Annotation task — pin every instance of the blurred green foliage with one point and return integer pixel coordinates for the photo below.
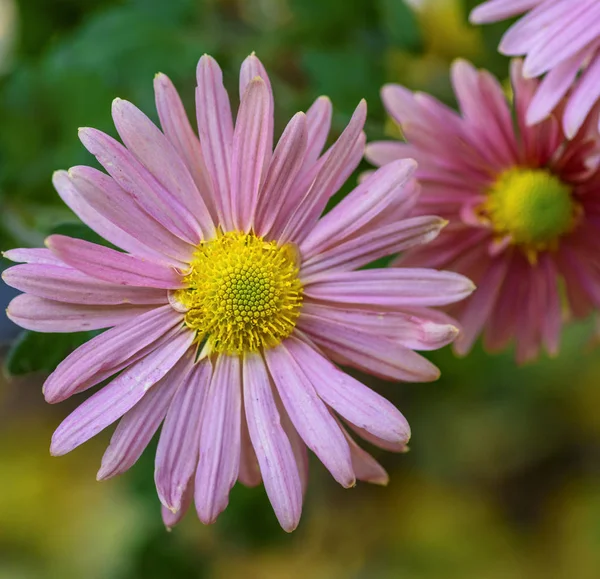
(502, 481)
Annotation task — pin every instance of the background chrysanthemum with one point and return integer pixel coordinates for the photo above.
(233, 296)
(522, 202)
(560, 40)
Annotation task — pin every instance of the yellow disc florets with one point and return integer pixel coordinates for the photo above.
(531, 206)
(244, 293)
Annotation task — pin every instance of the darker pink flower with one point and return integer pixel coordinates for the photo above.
(523, 205)
(234, 298)
(561, 42)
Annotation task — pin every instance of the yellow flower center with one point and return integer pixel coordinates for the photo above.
(244, 293)
(531, 206)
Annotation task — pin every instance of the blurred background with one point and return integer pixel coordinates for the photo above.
(503, 479)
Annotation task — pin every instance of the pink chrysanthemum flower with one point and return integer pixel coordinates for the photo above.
(233, 297)
(523, 204)
(561, 42)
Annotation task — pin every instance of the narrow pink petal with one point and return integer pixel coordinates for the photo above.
(494, 10)
(65, 284)
(285, 165)
(42, 315)
(122, 232)
(309, 415)
(249, 150)
(479, 307)
(250, 69)
(170, 519)
(391, 287)
(318, 122)
(148, 193)
(219, 440)
(32, 255)
(415, 330)
(145, 140)
(377, 354)
(112, 401)
(176, 127)
(585, 94)
(177, 452)
(138, 425)
(371, 245)
(379, 442)
(112, 204)
(380, 153)
(327, 179)
(113, 266)
(249, 474)
(215, 126)
(366, 468)
(108, 353)
(360, 207)
(348, 397)
(298, 447)
(273, 449)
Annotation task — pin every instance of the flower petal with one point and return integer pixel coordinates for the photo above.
(137, 427)
(112, 401)
(273, 449)
(215, 127)
(309, 415)
(42, 315)
(113, 266)
(113, 204)
(177, 452)
(109, 353)
(318, 122)
(249, 152)
(143, 138)
(65, 284)
(219, 440)
(348, 397)
(148, 193)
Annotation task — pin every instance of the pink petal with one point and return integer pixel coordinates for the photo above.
(584, 96)
(379, 355)
(160, 158)
(176, 127)
(42, 315)
(170, 519)
(148, 193)
(494, 10)
(69, 285)
(249, 150)
(318, 122)
(391, 287)
(113, 266)
(32, 255)
(121, 232)
(309, 415)
(112, 204)
(298, 447)
(109, 353)
(371, 245)
(380, 153)
(366, 468)
(177, 452)
(379, 442)
(112, 401)
(137, 427)
(249, 474)
(215, 126)
(219, 440)
(348, 397)
(327, 179)
(273, 449)
(285, 165)
(359, 208)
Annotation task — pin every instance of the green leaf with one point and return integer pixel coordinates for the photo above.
(35, 352)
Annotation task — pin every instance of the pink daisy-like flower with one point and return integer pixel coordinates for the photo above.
(523, 205)
(233, 298)
(561, 41)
